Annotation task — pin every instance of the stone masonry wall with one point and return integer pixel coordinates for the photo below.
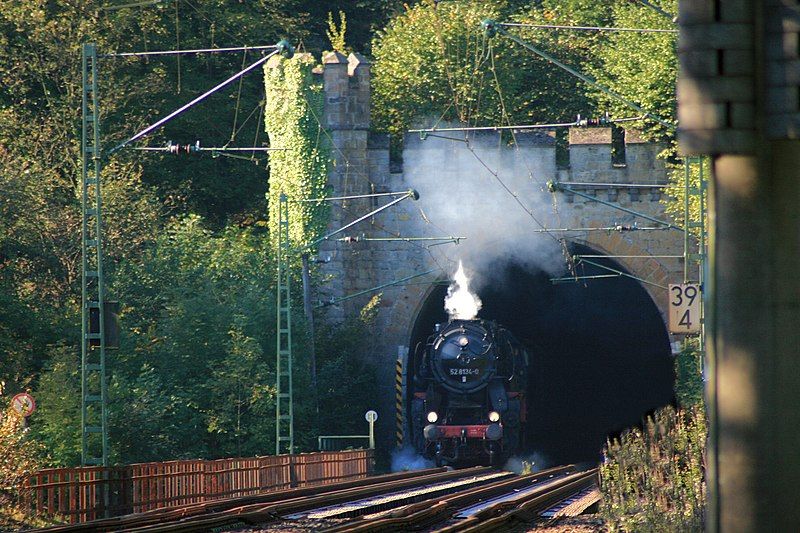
(361, 165)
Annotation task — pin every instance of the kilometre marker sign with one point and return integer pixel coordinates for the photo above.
(684, 308)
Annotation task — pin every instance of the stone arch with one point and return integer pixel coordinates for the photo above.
(599, 351)
(650, 269)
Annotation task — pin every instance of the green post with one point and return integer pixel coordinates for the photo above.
(687, 174)
(284, 408)
(94, 415)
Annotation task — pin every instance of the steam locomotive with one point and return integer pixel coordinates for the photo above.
(467, 402)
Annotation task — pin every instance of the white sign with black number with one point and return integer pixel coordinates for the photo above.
(684, 308)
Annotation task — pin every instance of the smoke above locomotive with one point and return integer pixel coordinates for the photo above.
(460, 303)
(492, 195)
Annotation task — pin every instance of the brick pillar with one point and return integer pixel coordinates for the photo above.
(738, 102)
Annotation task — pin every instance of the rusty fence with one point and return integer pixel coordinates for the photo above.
(86, 493)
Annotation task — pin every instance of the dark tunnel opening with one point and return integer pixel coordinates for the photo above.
(600, 354)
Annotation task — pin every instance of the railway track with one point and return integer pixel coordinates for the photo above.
(472, 499)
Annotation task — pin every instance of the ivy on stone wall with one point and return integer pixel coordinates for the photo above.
(294, 103)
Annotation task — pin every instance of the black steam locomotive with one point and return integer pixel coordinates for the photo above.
(467, 401)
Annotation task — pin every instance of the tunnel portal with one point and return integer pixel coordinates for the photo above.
(600, 354)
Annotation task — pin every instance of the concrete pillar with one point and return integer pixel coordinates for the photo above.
(737, 97)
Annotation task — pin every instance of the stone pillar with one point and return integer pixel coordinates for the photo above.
(641, 159)
(347, 120)
(737, 101)
(589, 152)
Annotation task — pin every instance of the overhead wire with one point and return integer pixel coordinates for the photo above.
(514, 195)
(260, 110)
(505, 116)
(464, 111)
(395, 234)
(585, 28)
(238, 99)
(259, 105)
(568, 256)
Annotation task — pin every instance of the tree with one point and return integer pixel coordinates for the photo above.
(336, 34)
(197, 314)
(642, 67)
(242, 395)
(19, 455)
(434, 64)
(57, 420)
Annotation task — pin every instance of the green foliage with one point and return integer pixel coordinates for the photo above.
(241, 390)
(336, 35)
(652, 480)
(347, 379)
(57, 420)
(641, 67)
(689, 387)
(300, 169)
(19, 455)
(194, 374)
(193, 315)
(433, 63)
(364, 17)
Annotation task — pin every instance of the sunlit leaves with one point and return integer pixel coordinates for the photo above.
(433, 63)
(299, 169)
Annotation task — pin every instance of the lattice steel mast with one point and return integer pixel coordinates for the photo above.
(284, 408)
(94, 392)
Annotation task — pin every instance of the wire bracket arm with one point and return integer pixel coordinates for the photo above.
(283, 48)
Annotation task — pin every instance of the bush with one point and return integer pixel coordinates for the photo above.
(19, 456)
(653, 479)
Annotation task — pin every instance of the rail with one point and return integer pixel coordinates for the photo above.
(76, 494)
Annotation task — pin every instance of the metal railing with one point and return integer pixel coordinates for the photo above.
(76, 494)
(330, 443)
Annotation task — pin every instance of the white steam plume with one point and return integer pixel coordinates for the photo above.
(407, 458)
(462, 195)
(459, 302)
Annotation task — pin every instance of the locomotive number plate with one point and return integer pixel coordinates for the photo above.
(465, 371)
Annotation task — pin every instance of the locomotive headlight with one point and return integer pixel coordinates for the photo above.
(494, 416)
(463, 341)
(433, 417)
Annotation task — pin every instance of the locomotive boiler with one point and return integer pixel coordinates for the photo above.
(467, 402)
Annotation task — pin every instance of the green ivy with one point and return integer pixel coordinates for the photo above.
(299, 169)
